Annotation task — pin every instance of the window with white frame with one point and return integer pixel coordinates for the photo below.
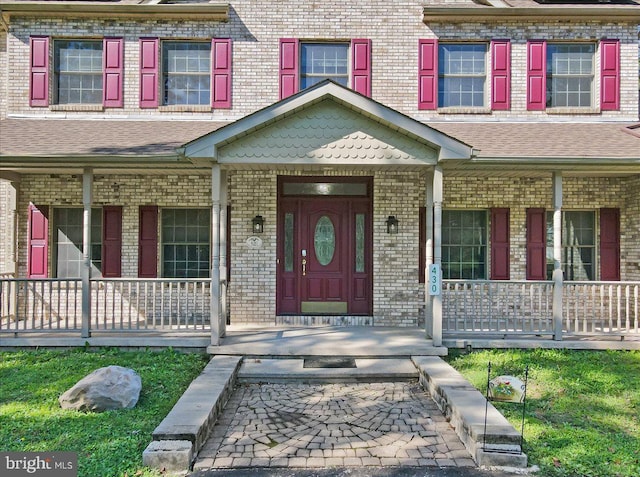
(320, 61)
(578, 245)
(78, 71)
(67, 238)
(464, 244)
(462, 74)
(186, 73)
(185, 243)
(570, 74)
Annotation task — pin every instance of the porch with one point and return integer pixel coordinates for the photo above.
(177, 312)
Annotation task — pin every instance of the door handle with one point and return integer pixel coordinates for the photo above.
(304, 267)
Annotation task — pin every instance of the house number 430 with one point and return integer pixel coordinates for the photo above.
(434, 279)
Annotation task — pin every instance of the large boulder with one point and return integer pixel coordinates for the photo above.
(112, 387)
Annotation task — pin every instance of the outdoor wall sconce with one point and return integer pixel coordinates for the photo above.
(257, 224)
(392, 225)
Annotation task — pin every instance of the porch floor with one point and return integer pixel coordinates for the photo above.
(361, 341)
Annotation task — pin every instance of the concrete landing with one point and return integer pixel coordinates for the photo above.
(256, 370)
(361, 341)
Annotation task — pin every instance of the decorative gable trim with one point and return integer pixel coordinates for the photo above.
(207, 147)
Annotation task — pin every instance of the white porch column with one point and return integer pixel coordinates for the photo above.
(557, 256)
(12, 226)
(223, 253)
(216, 180)
(436, 335)
(428, 302)
(87, 199)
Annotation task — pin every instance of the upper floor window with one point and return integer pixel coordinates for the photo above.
(304, 64)
(319, 61)
(84, 72)
(570, 75)
(78, 71)
(563, 75)
(186, 72)
(462, 75)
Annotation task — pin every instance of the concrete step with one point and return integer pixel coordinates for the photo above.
(259, 370)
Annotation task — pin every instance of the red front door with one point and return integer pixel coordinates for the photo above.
(324, 256)
(324, 241)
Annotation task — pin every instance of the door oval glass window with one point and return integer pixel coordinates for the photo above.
(324, 240)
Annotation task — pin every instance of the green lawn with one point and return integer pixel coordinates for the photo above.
(108, 444)
(582, 407)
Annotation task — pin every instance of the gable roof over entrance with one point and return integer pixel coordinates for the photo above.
(327, 124)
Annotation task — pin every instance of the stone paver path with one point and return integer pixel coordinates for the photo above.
(332, 425)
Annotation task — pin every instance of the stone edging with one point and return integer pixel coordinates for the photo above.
(464, 406)
(182, 433)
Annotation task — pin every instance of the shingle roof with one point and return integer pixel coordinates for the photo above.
(70, 137)
(87, 138)
(547, 140)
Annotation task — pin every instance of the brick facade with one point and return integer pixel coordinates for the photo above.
(256, 26)
(398, 296)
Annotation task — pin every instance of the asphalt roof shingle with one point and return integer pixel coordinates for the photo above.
(79, 138)
(70, 137)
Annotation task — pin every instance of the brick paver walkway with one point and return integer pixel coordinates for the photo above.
(331, 425)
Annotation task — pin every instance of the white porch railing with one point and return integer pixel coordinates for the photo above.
(468, 306)
(118, 305)
(47, 304)
(155, 304)
(526, 308)
(497, 307)
(597, 308)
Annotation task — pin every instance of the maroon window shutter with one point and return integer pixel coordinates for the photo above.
(500, 74)
(610, 244)
(610, 75)
(149, 72)
(39, 75)
(536, 244)
(289, 67)
(38, 242)
(428, 74)
(113, 71)
(500, 244)
(148, 242)
(536, 75)
(112, 241)
(221, 73)
(361, 66)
